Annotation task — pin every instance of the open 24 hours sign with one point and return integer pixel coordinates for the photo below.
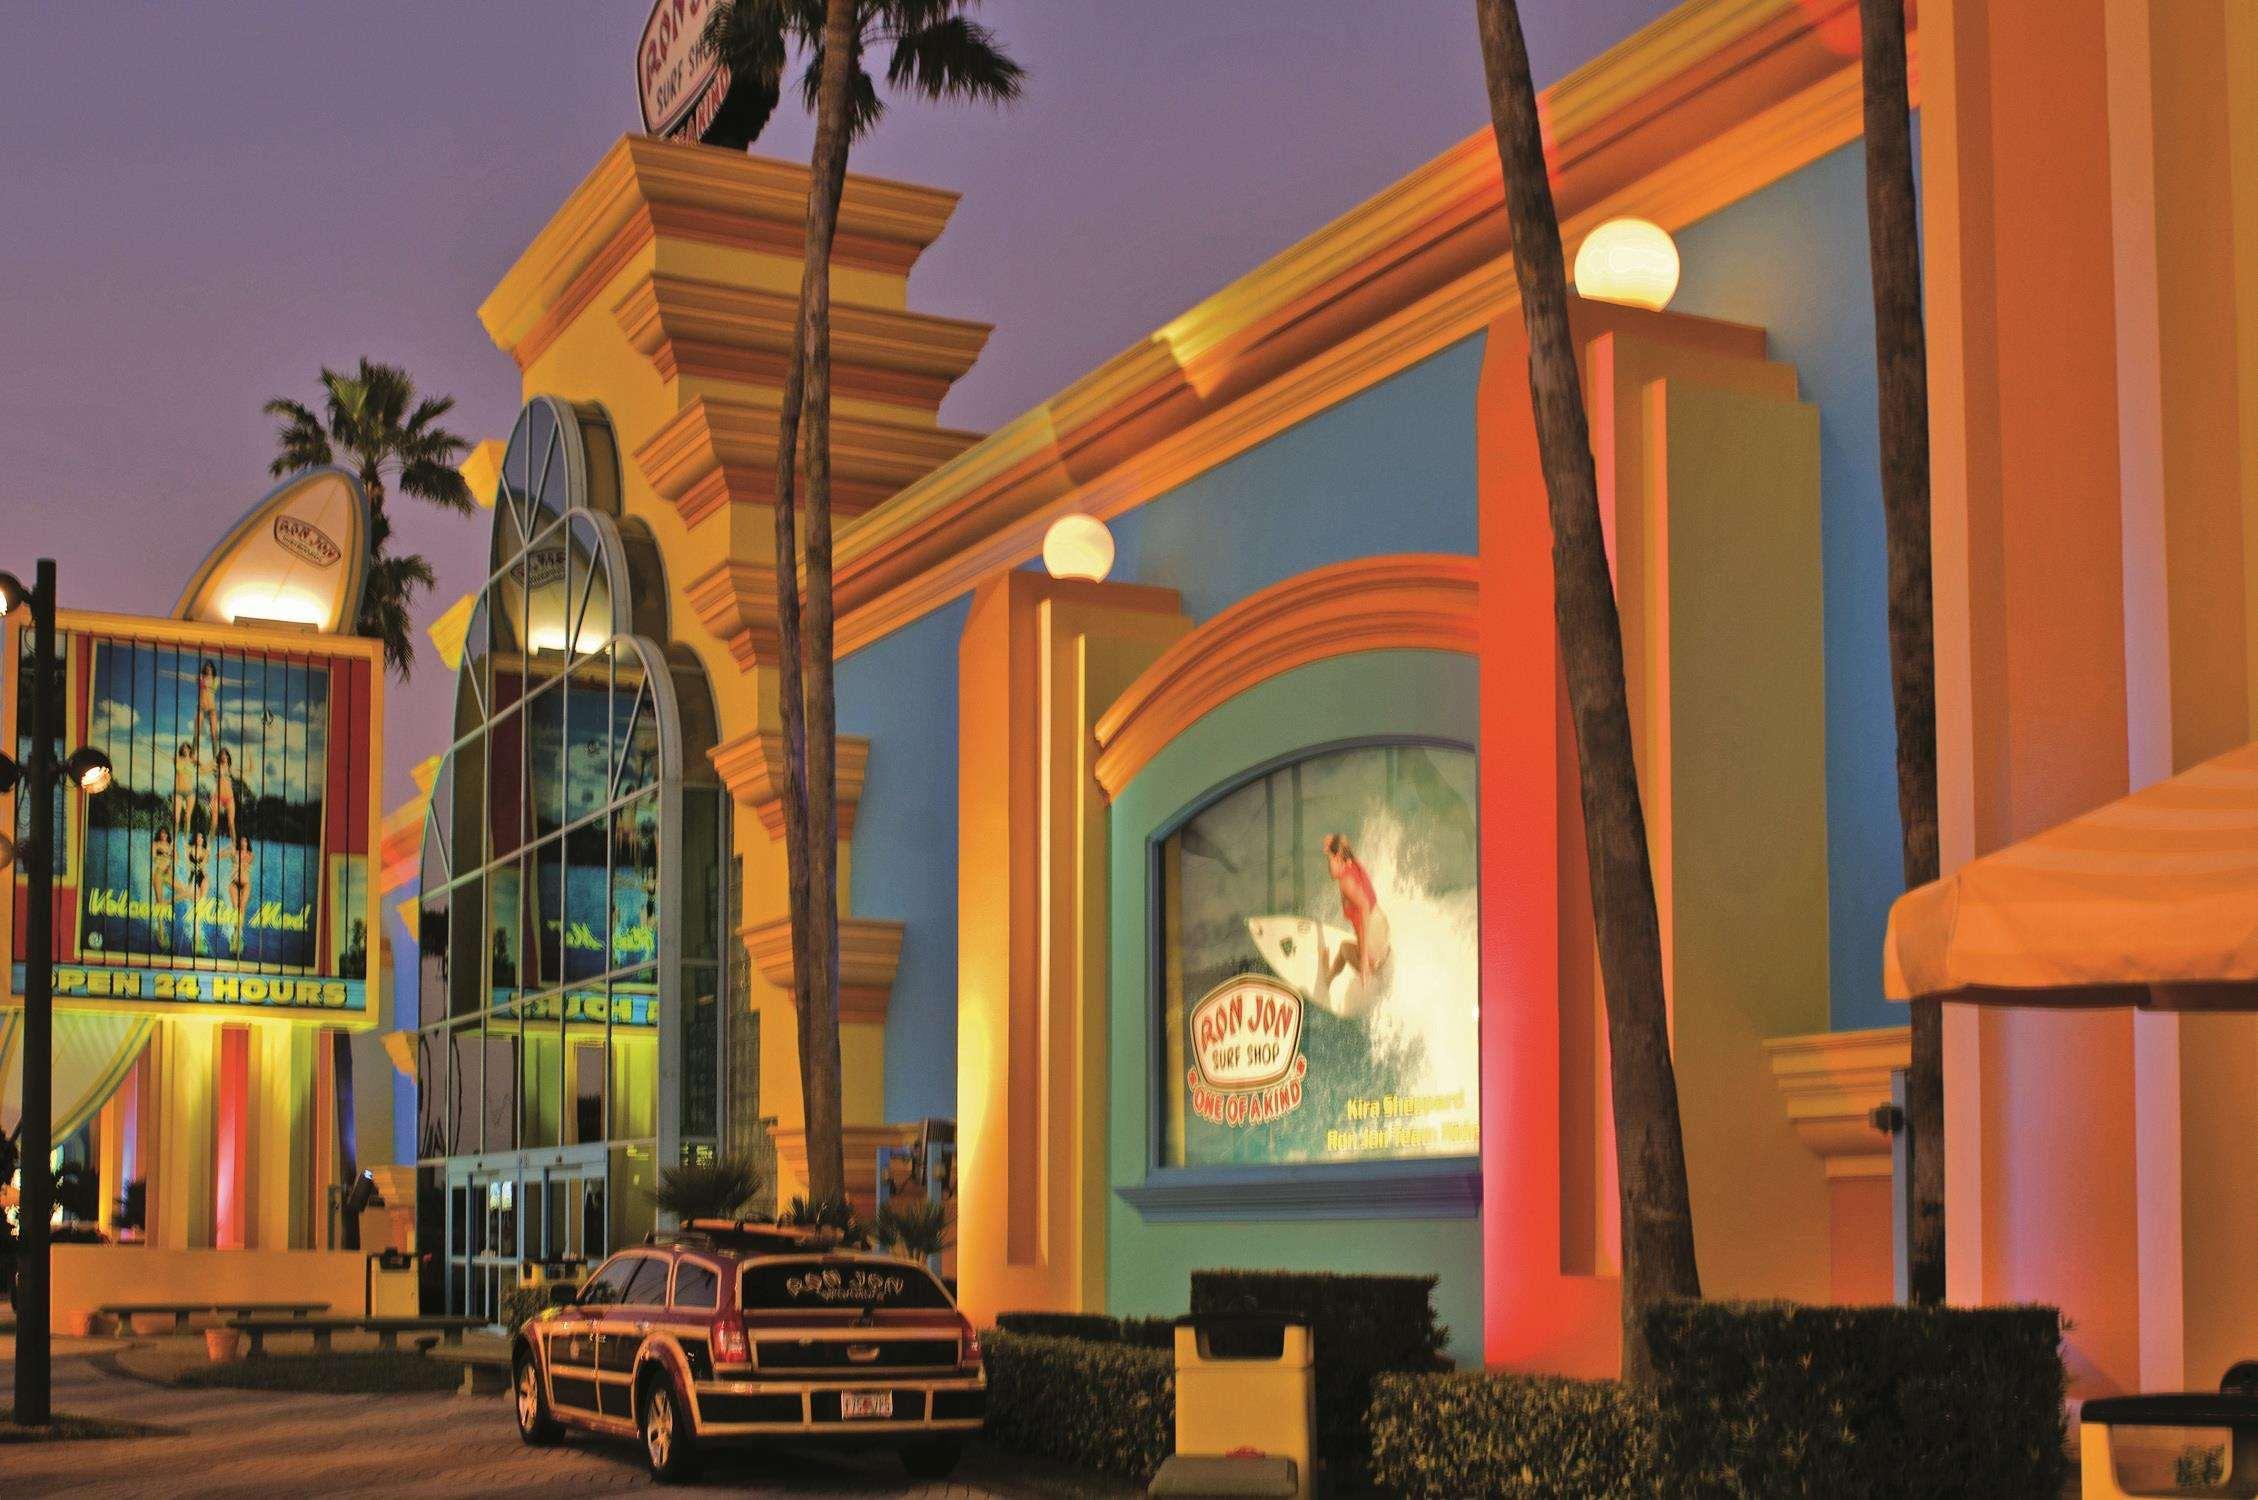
(1246, 1047)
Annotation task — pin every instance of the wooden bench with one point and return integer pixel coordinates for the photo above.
(180, 1312)
(387, 1330)
(486, 1369)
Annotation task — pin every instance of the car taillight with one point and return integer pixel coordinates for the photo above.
(729, 1343)
(968, 1349)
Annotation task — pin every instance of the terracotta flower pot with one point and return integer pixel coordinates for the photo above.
(222, 1344)
(149, 1325)
(73, 1323)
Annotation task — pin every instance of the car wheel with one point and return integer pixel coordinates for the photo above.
(670, 1447)
(534, 1424)
(936, 1459)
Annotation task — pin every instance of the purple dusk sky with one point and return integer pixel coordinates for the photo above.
(202, 203)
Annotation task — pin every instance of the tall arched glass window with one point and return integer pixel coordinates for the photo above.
(569, 931)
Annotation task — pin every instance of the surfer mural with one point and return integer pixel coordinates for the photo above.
(1320, 976)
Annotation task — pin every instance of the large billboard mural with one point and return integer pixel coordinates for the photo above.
(227, 865)
(1320, 996)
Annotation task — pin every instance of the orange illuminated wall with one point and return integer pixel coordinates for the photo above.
(1708, 472)
(231, 1173)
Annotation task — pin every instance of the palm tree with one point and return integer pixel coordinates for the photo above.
(1902, 364)
(1658, 1241)
(372, 423)
(720, 1188)
(934, 51)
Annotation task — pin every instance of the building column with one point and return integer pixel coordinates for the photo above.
(1041, 659)
(2091, 208)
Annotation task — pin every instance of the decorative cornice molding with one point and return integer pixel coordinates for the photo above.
(739, 333)
(752, 768)
(643, 188)
(1409, 601)
(1713, 102)
(870, 950)
(737, 602)
(1831, 1082)
(716, 453)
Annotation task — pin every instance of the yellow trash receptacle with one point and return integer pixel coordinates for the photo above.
(2105, 1473)
(1246, 1408)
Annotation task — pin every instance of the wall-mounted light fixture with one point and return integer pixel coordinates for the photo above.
(1078, 547)
(1629, 261)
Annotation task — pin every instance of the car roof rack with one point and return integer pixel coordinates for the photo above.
(746, 1235)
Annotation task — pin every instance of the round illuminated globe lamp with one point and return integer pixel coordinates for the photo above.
(1078, 546)
(1630, 261)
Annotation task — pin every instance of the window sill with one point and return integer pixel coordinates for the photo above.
(1446, 1188)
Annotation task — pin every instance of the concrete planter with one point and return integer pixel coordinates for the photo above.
(222, 1345)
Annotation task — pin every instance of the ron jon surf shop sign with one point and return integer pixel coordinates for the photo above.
(1247, 1063)
(686, 92)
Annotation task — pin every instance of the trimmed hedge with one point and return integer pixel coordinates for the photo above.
(1103, 1405)
(1361, 1325)
(1764, 1399)
(1096, 1328)
(1519, 1437)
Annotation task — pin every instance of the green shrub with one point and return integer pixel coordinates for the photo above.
(1105, 1406)
(1849, 1402)
(521, 1303)
(1514, 1436)
(1361, 1325)
(1096, 1328)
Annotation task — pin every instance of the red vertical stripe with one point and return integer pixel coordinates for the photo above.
(231, 1180)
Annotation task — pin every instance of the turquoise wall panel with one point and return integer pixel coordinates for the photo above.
(1148, 1262)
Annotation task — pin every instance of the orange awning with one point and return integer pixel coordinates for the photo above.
(2151, 900)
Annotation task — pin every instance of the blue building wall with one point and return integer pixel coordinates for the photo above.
(902, 693)
(1389, 470)
(1793, 260)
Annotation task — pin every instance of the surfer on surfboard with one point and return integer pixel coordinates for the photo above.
(1366, 955)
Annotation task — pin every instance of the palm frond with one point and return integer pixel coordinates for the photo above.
(954, 60)
(300, 442)
(864, 107)
(387, 604)
(429, 410)
(440, 483)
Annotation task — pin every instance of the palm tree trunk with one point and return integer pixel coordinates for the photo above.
(1902, 360)
(791, 697)
(1658, 1241)
(820, 1055)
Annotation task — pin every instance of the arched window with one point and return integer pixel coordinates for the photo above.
(570, 875)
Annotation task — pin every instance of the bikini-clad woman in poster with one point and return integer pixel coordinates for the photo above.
(239, 888)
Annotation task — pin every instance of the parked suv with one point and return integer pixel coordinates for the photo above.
(728, 1332)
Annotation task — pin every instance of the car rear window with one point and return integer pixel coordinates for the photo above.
(839, 1284)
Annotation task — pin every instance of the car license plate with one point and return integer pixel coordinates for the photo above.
(878, 1405)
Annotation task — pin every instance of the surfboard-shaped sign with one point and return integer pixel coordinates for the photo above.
(689, 94)
(300, 557)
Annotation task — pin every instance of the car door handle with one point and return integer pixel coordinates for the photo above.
(643, 1327)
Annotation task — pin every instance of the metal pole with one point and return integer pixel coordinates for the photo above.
(32, 1372)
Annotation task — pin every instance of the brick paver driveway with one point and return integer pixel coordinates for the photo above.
(260, 1443)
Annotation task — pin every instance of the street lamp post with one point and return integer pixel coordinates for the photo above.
(90, 770)
(38, 1195)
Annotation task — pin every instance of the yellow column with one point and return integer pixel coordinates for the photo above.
(1040, 661)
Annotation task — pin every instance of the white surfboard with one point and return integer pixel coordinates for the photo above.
(1295, 946)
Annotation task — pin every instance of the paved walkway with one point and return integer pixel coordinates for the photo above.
(261, 1443)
